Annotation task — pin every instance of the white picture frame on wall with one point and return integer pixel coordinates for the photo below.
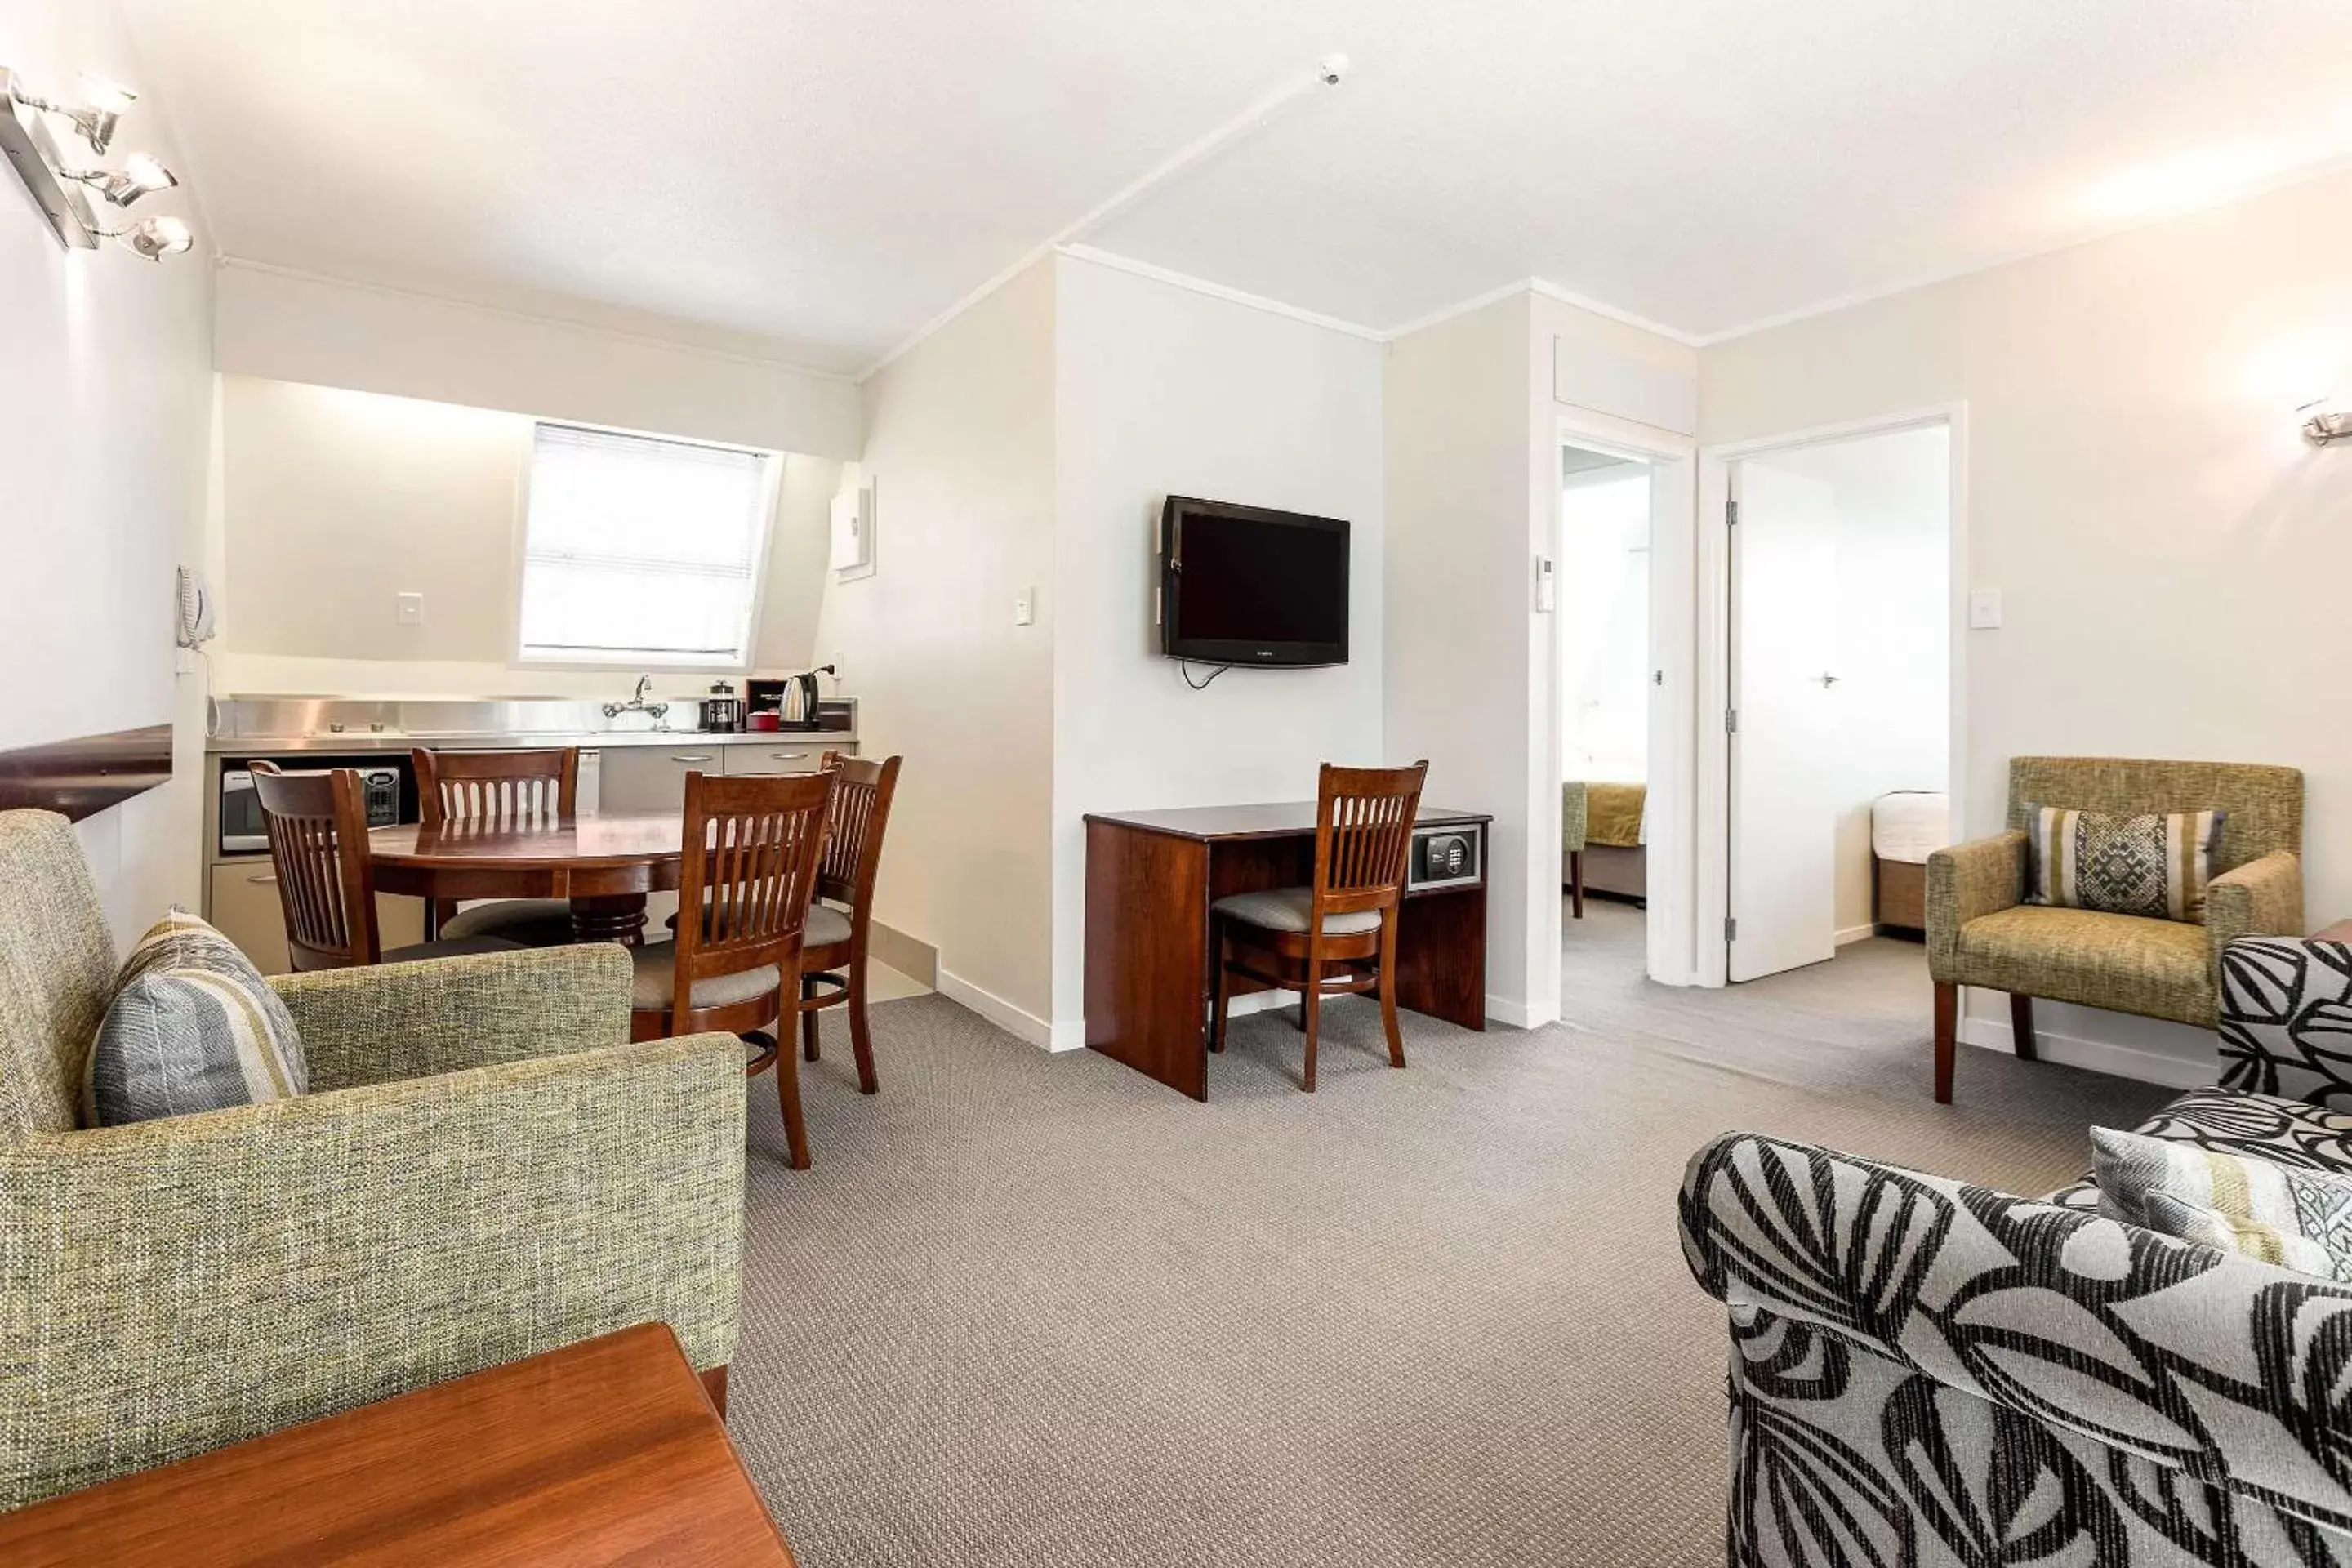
(853, 532)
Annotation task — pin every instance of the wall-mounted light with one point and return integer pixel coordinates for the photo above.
(2327, 421)
(62, 187)
(153, 238)
(141, 176)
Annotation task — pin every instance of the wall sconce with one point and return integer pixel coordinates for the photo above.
(2327, 421)
(62, 190)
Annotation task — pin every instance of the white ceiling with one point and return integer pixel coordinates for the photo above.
(825, 176)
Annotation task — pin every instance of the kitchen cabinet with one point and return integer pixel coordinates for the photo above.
(651, 778)
(784, 754)
(245, 908)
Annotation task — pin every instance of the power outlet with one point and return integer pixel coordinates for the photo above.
(1984, 609)
(408, 610)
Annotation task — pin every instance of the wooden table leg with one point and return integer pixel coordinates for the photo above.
(611, 917)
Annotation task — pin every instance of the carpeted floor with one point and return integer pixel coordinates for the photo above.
(1036, 1311)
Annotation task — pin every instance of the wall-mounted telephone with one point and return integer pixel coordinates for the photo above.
(195, 614)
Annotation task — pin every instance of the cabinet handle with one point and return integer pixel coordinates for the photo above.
(786, 756)
(262, 877)
(701, 757)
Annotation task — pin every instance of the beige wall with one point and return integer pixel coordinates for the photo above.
(2172, 555)
(959, 444)
(105, 413)
(334, 503)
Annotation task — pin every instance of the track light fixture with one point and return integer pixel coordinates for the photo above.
(153, 238)
(62, 187)
(141, 176)
(103, 105)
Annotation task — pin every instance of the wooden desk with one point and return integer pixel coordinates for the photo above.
(606, 1452)
(1151, 879)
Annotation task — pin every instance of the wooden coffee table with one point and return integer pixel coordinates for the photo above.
(606, 1452)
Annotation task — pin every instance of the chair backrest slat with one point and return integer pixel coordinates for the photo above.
(502, 787)
(752, 845)
(1363, 833)
(316, 827)
(861, 811)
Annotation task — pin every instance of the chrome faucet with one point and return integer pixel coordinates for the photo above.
(636, 703)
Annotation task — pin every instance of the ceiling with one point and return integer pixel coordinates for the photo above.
(816, 180)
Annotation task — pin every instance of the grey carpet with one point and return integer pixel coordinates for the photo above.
(1036, 1310)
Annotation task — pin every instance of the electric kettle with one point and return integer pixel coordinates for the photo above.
(798, 707)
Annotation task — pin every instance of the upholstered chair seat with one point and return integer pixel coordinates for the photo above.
(653, 984)
(530, 922)
(1286, 908)
(2164, 967)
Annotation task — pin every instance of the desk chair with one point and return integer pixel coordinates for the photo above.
(517, 787)
(317, 826)
(835, 953)
(751, 849)
(1338, 937)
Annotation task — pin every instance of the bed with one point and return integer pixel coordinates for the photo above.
(1906, 827)
(1604, 828)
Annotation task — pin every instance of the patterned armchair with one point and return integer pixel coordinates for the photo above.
(1924, 1371)
(1981, 931)
(486, 1168)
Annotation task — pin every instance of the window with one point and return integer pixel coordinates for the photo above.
(641, 551)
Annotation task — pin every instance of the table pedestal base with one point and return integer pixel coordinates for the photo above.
(613, 917)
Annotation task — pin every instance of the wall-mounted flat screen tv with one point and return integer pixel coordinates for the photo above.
(1240, 584)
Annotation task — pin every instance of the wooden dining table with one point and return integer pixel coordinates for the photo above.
(603, 864)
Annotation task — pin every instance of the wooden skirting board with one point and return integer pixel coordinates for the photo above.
(83, 777)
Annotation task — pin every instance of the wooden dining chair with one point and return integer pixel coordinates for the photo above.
(317, 832)
(753, 845)
(495, 789)
(833, 959)
(1338, 936)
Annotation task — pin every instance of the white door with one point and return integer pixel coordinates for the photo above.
(1785, 743)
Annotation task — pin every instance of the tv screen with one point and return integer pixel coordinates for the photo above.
(1240, 584)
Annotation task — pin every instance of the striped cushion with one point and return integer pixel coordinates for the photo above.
(2298, 1219)
(192, 1026)
(2154, 866)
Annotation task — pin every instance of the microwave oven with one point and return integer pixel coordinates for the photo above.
(383, 783)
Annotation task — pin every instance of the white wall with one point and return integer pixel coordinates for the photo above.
(1161, 390)
(105, 412)
(1474, 454)
(336, 502)
(959, 444)
(2172, 555)
(1893, 599)
(286, 327)
(1605, 626)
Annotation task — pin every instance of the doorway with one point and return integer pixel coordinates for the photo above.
(1840, 684)
(1607, 510)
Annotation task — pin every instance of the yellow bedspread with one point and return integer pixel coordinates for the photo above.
(1613, 814)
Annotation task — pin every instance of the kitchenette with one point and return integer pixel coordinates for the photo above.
(635, 756)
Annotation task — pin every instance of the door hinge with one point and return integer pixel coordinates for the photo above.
(1731, 514)
(1731, 721)
(1730, 929)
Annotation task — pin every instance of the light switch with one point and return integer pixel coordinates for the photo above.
(1984, 609)
(410, 611)
(1024, 607)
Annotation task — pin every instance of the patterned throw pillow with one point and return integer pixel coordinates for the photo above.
(2297, 1219)
(2152, 866)
(192, 1026)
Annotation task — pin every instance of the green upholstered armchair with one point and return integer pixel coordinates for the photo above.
(1980, 932)
(485, 1168)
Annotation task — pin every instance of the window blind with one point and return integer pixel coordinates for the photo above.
(638, 550)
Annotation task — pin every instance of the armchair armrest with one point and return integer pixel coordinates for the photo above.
(2260, 898)
(2224, 1368)
(1575, 808)
(1966, 882)
(176, 1285)
(397, 1021)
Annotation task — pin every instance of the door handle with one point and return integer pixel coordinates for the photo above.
(1828, 681)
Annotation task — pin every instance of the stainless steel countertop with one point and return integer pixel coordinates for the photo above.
(480, 740)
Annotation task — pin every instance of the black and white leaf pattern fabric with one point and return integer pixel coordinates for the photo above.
(2286, 1018)
(1925, 1373)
